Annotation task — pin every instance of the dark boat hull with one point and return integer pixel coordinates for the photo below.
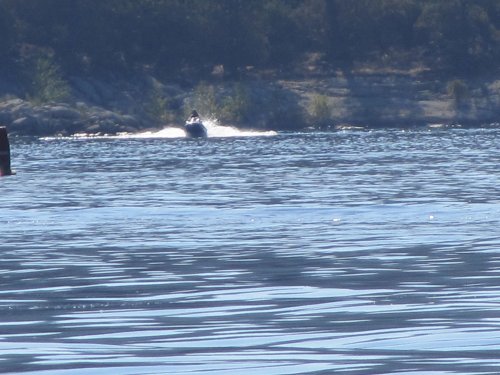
(196, 130)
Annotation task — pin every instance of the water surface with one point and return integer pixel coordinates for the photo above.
(348, 252)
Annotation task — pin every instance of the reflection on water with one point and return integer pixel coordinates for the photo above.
(356, 252)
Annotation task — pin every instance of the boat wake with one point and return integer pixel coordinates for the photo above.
(214, 130)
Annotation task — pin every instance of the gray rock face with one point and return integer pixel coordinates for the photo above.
(23, 118)
(63, 112)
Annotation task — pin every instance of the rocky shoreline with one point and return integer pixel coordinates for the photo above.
(364, 99)
(23, 118)
(405, 99)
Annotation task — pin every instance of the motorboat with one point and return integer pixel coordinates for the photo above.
(194, 127)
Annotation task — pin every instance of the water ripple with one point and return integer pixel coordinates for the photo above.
(350, 252)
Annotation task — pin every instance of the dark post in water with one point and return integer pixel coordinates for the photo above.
(4, 152)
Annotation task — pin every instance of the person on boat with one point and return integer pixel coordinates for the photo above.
(194, 117)
(194, 127)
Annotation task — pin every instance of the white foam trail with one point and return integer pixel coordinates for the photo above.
(169, 132)
(163, 133)
(219, 131)
(214, 130)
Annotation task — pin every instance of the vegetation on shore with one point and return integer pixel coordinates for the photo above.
(219, 52)
(175, 35)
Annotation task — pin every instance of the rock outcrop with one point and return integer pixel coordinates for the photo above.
(398, 100)
(24, 118)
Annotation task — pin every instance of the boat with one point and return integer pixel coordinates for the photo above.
(194, 126)
(195, 129)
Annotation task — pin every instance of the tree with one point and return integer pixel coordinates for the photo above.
(459, 32)
(194, 35)
(6, 33)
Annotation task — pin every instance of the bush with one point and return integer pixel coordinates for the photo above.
(47, 82)
(238, 105)
(157, 105)
(203, 100)
(320, 110)
(459, 92)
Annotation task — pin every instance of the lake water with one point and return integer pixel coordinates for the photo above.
(252, 253)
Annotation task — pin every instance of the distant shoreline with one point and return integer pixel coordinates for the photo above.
(317, 101)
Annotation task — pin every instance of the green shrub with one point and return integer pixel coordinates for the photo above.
(320, 110)
(238, 105)
(458, 91)
(203, 100)
(47, 82)
(157, 105)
